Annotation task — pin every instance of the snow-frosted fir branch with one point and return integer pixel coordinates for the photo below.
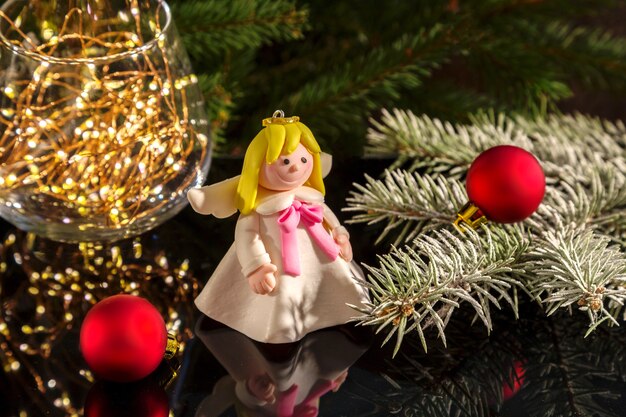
(592, 133)
(578, 234)
(584, 160)
(409, 203)
(418, 287)
(571, 266)
(428, 144)
(598, 202)
(406, 201)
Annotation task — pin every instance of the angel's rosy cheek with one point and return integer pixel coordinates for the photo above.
(276, 168)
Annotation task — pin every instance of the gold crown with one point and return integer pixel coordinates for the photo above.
(278, 118)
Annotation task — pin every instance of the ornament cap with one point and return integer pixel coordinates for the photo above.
(278, 118)
(172, 347)
(471, 215)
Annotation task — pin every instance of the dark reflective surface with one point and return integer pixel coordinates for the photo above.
(532, 366)
(265, 380)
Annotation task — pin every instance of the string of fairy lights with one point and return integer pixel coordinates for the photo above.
(97, 138)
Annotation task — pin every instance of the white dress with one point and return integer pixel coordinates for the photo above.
(298, 305)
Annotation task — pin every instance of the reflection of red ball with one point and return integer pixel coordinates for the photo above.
(123, 338)
(143, 399)
(515, 382)
(506, 183)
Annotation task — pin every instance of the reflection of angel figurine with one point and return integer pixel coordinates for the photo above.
(287, 387)
(288, 272)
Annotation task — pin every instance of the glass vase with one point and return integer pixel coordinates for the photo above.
(102, 121)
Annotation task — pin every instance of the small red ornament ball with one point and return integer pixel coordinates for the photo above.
(123, 338)
(506, 183)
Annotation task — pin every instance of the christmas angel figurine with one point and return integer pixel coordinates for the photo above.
(289, 271)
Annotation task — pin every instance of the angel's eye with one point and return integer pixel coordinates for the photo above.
(286, 161)
(303, 159)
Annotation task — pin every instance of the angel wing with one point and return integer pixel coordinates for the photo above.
(326, 160)
(219, 199)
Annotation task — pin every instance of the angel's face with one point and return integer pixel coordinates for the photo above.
(288, 171)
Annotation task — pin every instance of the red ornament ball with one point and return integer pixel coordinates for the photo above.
(123, 338)
(506, 183)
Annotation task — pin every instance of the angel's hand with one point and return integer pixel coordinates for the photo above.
(262, 280)
(262, 387)
(345, 249)
(338, 382)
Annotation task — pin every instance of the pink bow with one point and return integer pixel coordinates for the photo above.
(311, 217)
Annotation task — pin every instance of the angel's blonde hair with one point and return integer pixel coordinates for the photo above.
(272, 141)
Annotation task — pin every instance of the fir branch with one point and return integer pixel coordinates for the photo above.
(563, 374)
(465, 378)
(593, 56)
(437, 146)
(212, 27)
(569, 266)
(516, 78)
(513, 56)
(589, 136)
(571, 261)
(447, 99)
(567, 375)
(595, 198)
(417, 288)
(434, 146)
(417, 204)
(219, 103)
(328, 101)
(410, 204)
